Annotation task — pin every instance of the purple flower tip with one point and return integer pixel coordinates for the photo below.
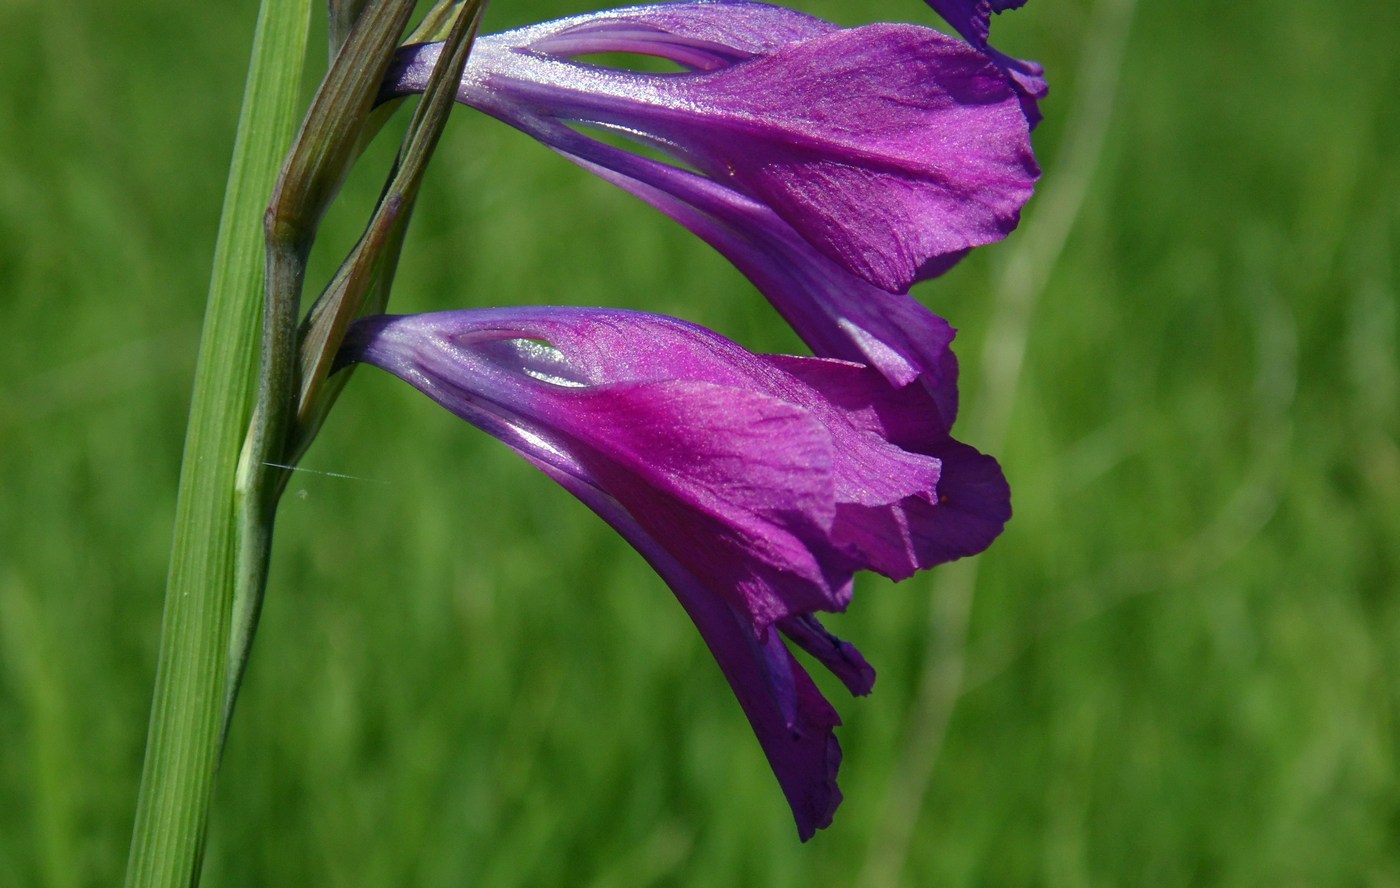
(973, 20)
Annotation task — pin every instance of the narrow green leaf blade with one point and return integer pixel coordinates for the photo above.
(183, 744)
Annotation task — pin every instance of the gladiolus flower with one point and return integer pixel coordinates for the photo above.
(890, 149)
(755, 485)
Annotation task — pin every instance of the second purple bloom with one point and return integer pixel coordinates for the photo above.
(756, 485)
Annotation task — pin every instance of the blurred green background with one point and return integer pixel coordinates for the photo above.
(1176, 667)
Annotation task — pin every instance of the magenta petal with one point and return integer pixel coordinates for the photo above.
(838, 165)
(832, 158)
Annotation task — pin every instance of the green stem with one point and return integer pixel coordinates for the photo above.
(183, 745)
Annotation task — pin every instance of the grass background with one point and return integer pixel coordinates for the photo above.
(1176, 667)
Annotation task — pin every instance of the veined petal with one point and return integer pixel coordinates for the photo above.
(888, 147)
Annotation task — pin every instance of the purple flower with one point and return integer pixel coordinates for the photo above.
(755, 485)
(973, 20)
(888, 149)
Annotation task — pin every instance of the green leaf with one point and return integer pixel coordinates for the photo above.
(184, 740)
